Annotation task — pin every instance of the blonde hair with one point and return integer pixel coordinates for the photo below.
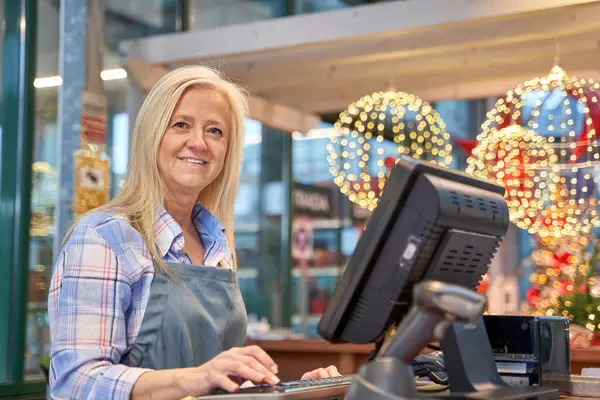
(143, 190)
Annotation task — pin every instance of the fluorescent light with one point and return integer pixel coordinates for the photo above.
(106, 75)
(48, 81)
(112, 74)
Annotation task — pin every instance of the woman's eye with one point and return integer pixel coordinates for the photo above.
(216, 131)
(180, 125)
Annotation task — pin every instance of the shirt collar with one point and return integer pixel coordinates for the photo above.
(167, 230)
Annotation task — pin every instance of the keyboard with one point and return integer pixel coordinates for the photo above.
(325, 388)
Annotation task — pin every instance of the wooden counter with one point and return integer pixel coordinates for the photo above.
(584, 358)
(296, 357)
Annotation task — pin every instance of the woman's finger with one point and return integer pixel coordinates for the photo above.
(307, 375)
(333, 371)
(244, 371)
(220, 380)
(257, 366)
(261, 356)
(315, 374)
(322, 373)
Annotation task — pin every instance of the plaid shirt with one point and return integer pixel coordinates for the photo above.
(98, 296)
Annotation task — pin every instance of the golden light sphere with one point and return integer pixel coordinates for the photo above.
(565, 111)
(565, 216)
(376, 129)
(521, 161)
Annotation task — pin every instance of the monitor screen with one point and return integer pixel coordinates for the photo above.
(430, 223)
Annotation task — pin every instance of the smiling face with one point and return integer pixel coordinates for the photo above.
(192, 150)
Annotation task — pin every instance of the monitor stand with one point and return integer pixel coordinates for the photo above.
(470, 364)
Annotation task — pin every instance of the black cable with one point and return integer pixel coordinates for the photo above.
(378, 345)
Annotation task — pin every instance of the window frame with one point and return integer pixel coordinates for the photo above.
(18, 58)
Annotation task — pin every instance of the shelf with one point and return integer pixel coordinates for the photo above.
(42, 237)
(310, 320)
(247, 228)
(329, 270)
(247, 273)
(331, 223)
(318, 224)
(37, 306)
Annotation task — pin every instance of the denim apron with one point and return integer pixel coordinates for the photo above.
(190, 318)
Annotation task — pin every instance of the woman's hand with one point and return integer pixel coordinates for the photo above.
(330, 371)
(232, 366)
(222, 372)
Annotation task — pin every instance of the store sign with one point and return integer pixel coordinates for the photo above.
(311, 201)
(302, 238)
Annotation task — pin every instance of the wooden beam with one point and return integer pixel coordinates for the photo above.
(350, 91)
(477, 89)
(553, 24)
(281, 117)
(482, 83)
(144, 75)
(488, 88)
(459, 91)
(277, 116)
(370, 20)
(288, 79)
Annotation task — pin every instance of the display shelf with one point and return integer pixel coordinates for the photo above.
(247, 273)
(327, 270)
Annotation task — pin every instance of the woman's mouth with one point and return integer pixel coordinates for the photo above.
(193, 161)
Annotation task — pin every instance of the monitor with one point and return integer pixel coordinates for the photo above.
(431, 223)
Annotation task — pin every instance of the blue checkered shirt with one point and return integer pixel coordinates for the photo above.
(98, 295)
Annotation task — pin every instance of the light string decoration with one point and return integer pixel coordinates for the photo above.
(564, 280)
(564, 111)
(373, 131)
(520, 160)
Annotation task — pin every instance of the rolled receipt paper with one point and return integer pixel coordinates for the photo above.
(595, 372)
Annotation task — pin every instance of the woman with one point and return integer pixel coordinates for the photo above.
(144, 300)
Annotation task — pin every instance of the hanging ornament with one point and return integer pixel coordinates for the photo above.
(565, 111)
(520, 160)
(373, 131)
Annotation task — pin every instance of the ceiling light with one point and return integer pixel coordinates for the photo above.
(48, 81)
(54, 81)
(112, 74)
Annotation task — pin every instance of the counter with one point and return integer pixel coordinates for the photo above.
(296, 356)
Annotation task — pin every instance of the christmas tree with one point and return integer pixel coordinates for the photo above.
(564, 281)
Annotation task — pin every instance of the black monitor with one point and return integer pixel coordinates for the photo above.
(431, 223)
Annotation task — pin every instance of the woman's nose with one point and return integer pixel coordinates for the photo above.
(197, 141)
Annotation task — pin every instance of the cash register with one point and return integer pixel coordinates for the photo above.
(416, 266)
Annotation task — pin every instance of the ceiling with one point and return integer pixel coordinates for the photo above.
(323, 62)
(122, 20)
